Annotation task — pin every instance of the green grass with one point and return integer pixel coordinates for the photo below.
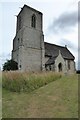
(27, 82)
(0, 94)
(58, 99)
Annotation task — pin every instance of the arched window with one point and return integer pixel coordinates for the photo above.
(33, 21)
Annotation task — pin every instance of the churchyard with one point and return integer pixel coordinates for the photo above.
(39, 95)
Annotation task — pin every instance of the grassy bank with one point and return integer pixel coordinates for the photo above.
(58, 99)
(0, 94)
(18, 82)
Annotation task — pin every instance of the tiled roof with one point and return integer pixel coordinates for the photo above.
(50, 61)
(53, 50)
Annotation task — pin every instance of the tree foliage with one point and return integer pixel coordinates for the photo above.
(10, 65)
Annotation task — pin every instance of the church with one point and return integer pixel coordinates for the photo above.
(31, 52)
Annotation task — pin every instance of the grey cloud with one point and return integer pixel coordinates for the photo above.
(69, 44)
(79, 50)
(64, 22)
(78, 65)
(79, 12)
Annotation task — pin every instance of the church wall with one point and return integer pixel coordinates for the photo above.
(32, 60)
(26, 15)
(18, 56)
(32, 41)
(28, 44)
(72, 67)
(43, 56)
(15, 55)
(21, 58)
(18, 40)
(32, 38)
(58, 60)
(27, 18)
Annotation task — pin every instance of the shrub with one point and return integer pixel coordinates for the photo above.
(17, 81)
(78, 71)
(10, 65)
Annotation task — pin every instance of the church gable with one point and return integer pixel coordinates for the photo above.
(60, 63)
(60, 58)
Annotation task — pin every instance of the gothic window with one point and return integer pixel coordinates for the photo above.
(33, 21)
(69, 64)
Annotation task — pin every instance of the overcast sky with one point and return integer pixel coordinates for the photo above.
(60, 23)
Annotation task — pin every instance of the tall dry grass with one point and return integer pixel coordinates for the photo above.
(18, 81)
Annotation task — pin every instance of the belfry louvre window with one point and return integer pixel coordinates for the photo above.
(33, 21)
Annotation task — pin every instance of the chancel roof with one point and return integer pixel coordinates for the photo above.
(52, 50)
(50, 61)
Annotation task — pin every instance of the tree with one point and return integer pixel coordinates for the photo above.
(10, 65)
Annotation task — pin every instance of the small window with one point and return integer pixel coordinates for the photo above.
(19, 22)
(69, 64)
(18, 40)
(20, 66)
(33, 21)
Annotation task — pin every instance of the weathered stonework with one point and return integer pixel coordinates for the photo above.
(28, 44)
(31, 52)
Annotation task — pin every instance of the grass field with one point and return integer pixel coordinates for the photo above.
(0, 94)
(57, 99)
(27, 82)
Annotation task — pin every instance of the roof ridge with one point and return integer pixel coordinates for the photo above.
(29, 8)
(55, 45)
(32, 8)
(52, 49)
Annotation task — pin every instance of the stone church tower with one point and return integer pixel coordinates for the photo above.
(28, 44)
